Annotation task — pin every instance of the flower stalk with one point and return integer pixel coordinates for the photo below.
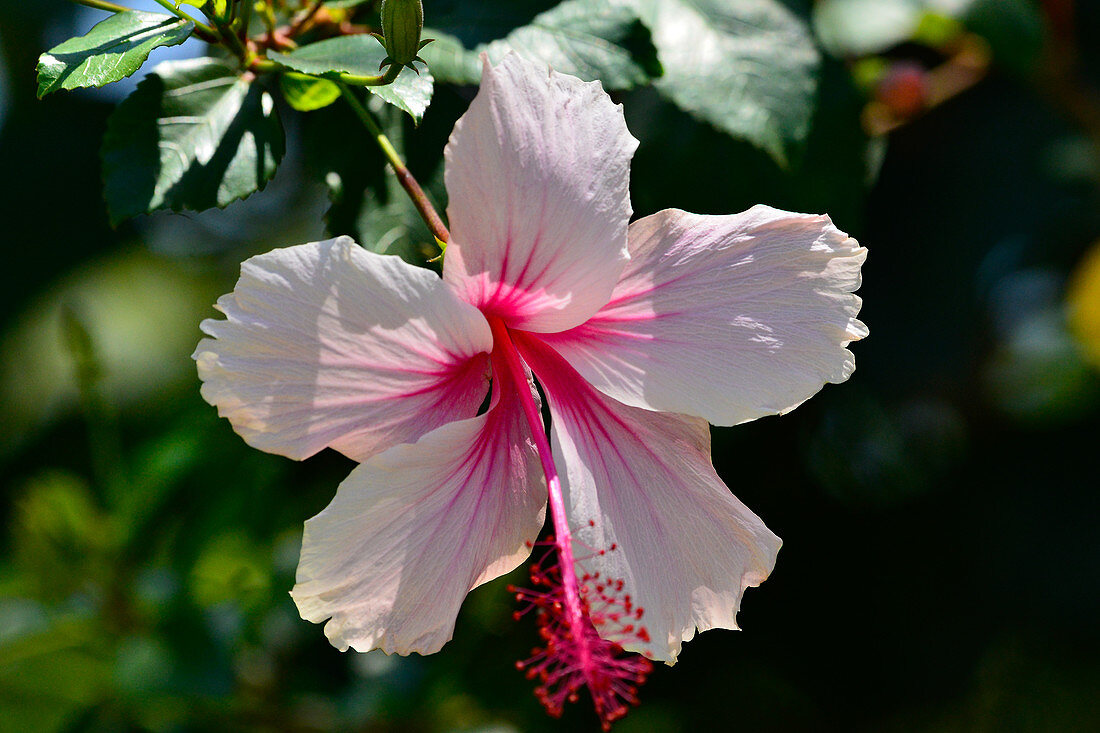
(404, 177)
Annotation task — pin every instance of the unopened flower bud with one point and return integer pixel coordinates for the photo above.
(402, 23)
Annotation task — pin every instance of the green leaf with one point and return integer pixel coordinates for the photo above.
(361, 55)
(482, 22)
(112, 50)
(193, 135)
(749, 68)
(308, 93)
(590, 39)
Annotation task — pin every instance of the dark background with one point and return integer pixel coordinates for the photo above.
(939, 511)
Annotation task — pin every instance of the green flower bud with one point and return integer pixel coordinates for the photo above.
(402, 23)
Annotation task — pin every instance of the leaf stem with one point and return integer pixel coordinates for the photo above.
(200, 27)
(261, 65)
(404, 177)
(372, 81)
(102, 5)
(233, 41)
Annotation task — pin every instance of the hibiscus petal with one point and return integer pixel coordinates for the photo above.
(326, 344)
(725, 317)
(642, 483)
(415, 528)
(537, 173)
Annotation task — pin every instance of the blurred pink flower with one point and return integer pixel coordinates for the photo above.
(638, 337)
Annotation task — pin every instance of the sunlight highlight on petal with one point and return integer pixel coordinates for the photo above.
(415, 528)
(728, 318)
(537, 173)
(642, 482)
(328, 345)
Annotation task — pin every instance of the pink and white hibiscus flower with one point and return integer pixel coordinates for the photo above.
(639, 336)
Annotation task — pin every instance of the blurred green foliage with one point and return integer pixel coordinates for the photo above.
(941, 567)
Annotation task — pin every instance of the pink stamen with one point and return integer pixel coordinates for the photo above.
(570, 608)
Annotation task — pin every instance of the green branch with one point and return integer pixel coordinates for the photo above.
(201, 28)
(404, 177)
(233, 41)
(244, 18)
(101, 5)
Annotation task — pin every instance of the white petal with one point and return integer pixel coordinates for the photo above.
(725, 317)
(642, 482)
(537, 173)
(415, 528)
(326, 344)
